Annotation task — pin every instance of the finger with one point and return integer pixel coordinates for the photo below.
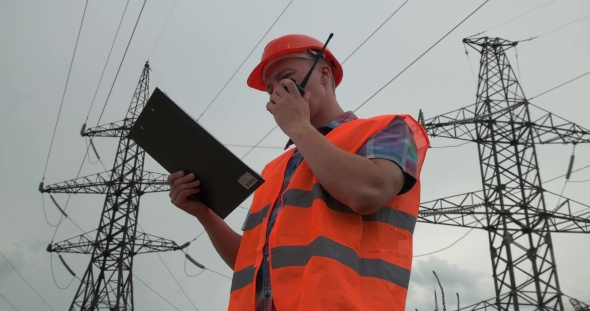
(291, 87)
(184, 194)
(306, 96)
(175, 176)
(181, 200)
(275, 99)
(280, 91)
(185, 179)
(270, 106)
(177, 187)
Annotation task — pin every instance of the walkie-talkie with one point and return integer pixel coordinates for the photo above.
(301, 87)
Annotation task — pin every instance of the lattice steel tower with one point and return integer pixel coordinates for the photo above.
(107, 283)
(512, 206)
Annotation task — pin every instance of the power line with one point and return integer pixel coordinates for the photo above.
(53, 275)
(21, 290)
(257, 44)
(65, 88)
(135, 276)
(410, 65)
(155, 76)
(162, 30)
(172, 275)
(8, 301)
(451, 146)
(470, 66)
(572, 80)
(558, 28)
(120, 65)
(258, 143)
(25, 230)
(98, 122)
(203, 269)
(45, 212)
(249, 146)
(362, 43)
(579, 181)
(369, 37)
(187, 297)
(506, 22)
(107, 61)
(555, 178)
(442, 249)
(31, 287)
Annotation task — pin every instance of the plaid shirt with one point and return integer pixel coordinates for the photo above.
(395, 143)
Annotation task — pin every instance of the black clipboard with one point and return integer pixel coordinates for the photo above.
(178, 143)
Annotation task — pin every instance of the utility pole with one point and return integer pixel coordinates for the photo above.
(512, 206)
(107, 283)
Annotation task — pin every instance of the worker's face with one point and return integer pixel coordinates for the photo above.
(297, 68)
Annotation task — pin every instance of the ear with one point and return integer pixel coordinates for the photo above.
(326, 75)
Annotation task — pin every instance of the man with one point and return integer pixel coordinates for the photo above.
(331, 228)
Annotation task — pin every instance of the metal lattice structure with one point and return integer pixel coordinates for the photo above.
(107, 283)
(512, 206)
(578, 305)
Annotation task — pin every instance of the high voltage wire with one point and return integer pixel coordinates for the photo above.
(172, 275)
(65, 89)
(162, 30)
(53, 275)
(185, 294)
(558, 28)
(98, 122)
(19, 225)
(572, 80)
(538, 95)
(452, 146)
(410, 65)
(27, 282)
(120, 65)
(21, 291)
(257, 44)
(249, 146)
(371, 35)
(506, 22)
(107, 61)
(135, 276)
(8, 302)
(445, 248)
(362, 43)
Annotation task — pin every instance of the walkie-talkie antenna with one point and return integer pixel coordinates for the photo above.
(306, 79)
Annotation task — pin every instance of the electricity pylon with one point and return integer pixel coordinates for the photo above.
(512, 205)
(578, 305)
(107, 283)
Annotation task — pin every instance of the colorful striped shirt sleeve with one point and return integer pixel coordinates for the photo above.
(395, 143)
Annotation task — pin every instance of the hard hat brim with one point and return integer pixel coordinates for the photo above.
(255, 79)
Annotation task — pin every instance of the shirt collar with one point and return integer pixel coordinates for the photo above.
(339, 120)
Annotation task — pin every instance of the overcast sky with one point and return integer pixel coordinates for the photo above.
(201, 46)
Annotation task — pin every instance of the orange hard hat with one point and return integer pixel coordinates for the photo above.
(292, 44)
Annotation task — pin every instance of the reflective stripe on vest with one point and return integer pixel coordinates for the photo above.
(322, 254)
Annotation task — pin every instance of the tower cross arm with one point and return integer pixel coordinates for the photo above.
(114, 129)
(552, 129)
(462, 210)
(80, 244)
(95, 184)
(457, 124)
(99, 183)
(568, 216)
(147, 243)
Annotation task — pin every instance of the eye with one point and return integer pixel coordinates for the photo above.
(287, 75)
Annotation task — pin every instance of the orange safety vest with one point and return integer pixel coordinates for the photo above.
(322, 255)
